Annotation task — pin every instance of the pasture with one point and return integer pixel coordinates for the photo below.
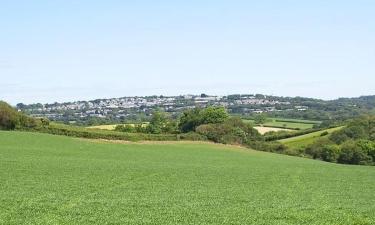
(304, 140)
(46, 179)
(295, 124)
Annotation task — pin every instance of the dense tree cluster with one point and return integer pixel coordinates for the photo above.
(191, 119)
(11, 119)
(354, 144)
(231, 131)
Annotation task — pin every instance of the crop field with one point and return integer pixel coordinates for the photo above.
(288, 123)
(46, 179)
(304, 140)
(112, 126)
(263, 130)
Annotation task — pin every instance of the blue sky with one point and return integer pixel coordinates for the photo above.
(67, 50)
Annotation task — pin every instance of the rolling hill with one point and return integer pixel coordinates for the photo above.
(46, 179)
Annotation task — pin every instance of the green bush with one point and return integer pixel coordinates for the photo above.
(351, 153)
(191, 119)
(323, 149)
(192, 136)
(232, 131)
(11, 119)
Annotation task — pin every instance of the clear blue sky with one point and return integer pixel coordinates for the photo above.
(69, 50)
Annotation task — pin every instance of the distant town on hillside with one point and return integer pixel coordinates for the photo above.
(140, 108)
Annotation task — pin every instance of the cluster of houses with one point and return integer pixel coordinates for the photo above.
(123, 107)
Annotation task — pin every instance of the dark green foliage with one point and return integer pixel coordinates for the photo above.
(324, 150)
(351, 153)
(272, 146)
(191, 119)
(161, 123)
(158, 121)
(330, 153)
(192, 136)
(260, 118)
(368, 147)
(361, 128)
(232, 131)
(338, 137)
(11, 119)
(351, 145)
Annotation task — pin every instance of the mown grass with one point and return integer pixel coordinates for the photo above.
(304, 140)
(46, 179)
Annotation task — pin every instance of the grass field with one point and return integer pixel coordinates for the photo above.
(288, 123)
(304, 140)
(47, 179)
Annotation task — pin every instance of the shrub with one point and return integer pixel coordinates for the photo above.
(351, 153)
(330, 153)
(322, 149)
(192, 136)
(193, 118)
(232, 131)
(11, 119)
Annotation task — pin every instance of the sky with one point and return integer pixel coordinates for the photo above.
(65, 50)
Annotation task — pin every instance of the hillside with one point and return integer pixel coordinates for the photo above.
(304, 140)
(49, 179)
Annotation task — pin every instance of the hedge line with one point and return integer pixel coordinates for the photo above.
(113, 135)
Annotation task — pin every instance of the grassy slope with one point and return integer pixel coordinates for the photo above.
(47, 179)
(304, 140)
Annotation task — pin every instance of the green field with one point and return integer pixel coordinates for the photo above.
(288, 123)
(304, 140)
(47, 179)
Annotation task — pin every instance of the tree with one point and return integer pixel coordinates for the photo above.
(191, 119)
(368, 147)
(158, 121)
(260, 118)
(214, 115)
(9, 117)
(351, 153)
(330, 153)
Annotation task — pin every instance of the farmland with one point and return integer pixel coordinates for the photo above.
(294, 124)
(113, 126)
(263, 130)
(304, 140)
(49, 179)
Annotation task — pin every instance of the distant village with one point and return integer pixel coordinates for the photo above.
(129, 107)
